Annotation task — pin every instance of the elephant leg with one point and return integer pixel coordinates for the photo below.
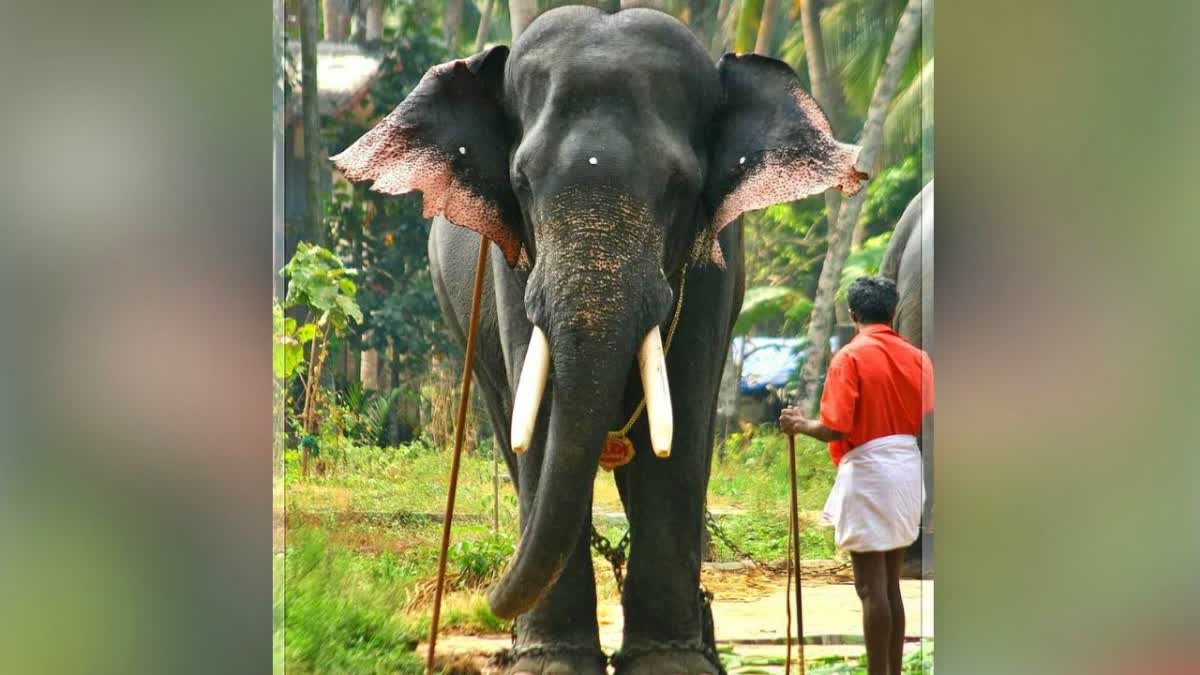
(664, 620)
(667, 625)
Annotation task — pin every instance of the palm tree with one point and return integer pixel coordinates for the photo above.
(766, 27)
(821, 324)
(485, 18)
(522, 13)
(451, 22)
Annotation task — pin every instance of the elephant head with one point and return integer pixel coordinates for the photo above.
(601, 155)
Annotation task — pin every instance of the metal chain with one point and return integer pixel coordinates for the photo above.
(615, 555)
(508, 657)
(627, 654)
(721, 534)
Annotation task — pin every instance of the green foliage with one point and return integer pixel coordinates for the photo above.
(889, 193)
(320, 283)
(863, 262)
(480, 561)
(764, 303)
(754, 476)
(342, 616)
(287, 348)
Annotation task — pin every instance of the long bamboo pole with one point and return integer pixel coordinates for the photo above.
(795, 541)
(459, 429)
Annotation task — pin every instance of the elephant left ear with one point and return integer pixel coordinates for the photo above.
(772, 143)
(449, 139)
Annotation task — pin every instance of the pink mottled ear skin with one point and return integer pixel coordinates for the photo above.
(778, 178)
(793, 156)
(448, 141)
(386, 156)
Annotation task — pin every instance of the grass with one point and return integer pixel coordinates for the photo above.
(753, 480)
(919, 662)
(361, 544)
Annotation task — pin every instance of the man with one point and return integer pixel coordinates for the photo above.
(878, 391)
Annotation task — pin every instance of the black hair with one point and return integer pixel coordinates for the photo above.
(873, 299)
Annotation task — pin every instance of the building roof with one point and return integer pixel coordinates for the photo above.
(344, 71)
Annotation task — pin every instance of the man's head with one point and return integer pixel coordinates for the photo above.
(873, 300)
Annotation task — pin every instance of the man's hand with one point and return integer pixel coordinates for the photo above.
(793, 422)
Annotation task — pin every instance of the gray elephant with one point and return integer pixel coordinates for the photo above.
(608, 161)
(909, 262)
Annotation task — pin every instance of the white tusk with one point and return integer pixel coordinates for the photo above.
(529, 390)
(658, 393)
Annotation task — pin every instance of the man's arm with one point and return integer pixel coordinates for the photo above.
(793, 422)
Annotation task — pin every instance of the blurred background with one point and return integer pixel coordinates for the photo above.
(137, 264)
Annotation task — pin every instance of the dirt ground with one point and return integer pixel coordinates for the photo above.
(748, 610)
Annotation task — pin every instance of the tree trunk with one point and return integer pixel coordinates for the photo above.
(375, 20)
(824, 89)
(369, 369)
(766, 27)
(451, 22)
(485, 19)
(820, 326)
(522, 13)
(747, 25)
(311, 120)
(720, 29)
(332, 18)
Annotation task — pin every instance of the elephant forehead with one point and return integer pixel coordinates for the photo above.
(641, 58)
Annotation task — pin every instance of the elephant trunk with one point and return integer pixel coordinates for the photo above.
(588, 382)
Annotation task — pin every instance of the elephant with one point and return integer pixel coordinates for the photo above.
(908, 261)
(608, 161)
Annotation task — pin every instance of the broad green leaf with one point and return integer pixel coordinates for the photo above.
(350, 308)
(765, 302)
(306, 332)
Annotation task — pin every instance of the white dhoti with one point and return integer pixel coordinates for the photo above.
(875, 504)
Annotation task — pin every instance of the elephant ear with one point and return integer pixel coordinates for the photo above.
(449, 139)
(772, 143)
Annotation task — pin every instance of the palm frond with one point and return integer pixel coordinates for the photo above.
(905, 123)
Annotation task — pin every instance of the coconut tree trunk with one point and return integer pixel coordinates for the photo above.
(311, 120)
(720, 29)
(522, 13)
(766, 27)
(336, 24)
(374, 20)
(485, 20)
(451, 23)
(744, 36)
(824, 89)
(821, 324)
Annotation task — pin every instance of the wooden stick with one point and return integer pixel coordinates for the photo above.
(795, 541)
(459, 429)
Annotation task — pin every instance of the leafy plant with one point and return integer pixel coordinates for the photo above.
(319, 284)
(863, 262)
(764, 303)
(479, 561)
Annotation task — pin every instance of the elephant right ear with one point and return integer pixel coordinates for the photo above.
(449, 139)
(772, 143)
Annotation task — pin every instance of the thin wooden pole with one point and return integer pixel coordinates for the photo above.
(459, 429)
(794, 536)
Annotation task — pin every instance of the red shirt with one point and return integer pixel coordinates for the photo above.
(877, 385)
